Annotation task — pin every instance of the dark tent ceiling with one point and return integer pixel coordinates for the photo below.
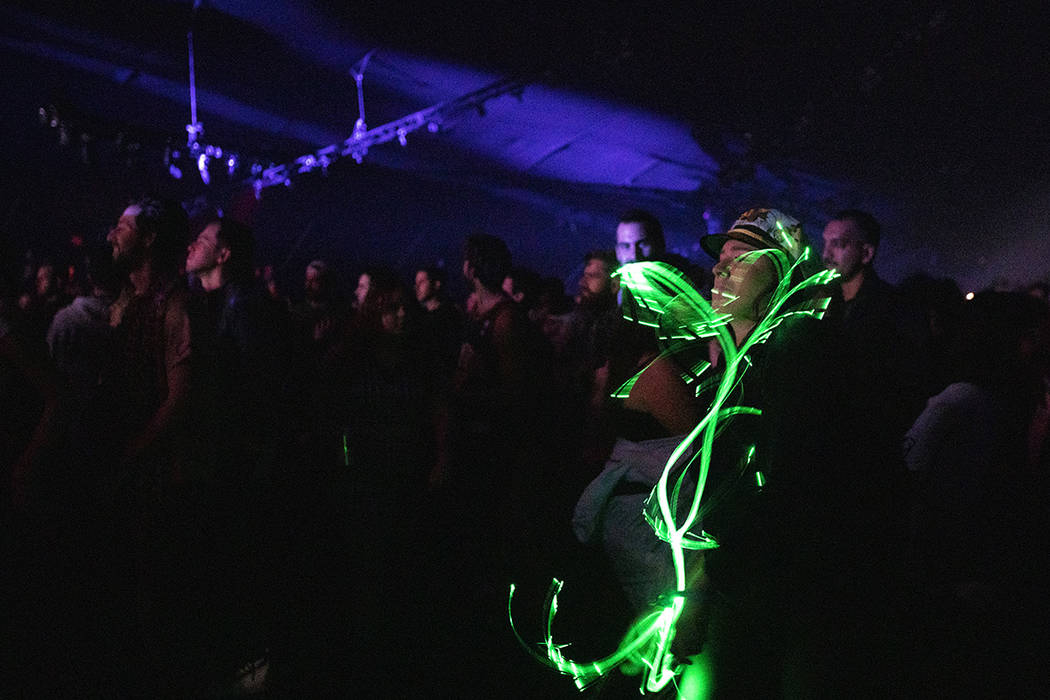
(916, 109)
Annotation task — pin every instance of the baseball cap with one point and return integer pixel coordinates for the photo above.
(763, 228)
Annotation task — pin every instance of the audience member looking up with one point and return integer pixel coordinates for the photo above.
(152, 326)
(779, 479)
(240, 326)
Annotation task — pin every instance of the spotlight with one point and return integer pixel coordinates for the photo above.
(359, 129)
(202, 167)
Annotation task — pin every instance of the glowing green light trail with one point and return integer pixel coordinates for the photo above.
(660, 296)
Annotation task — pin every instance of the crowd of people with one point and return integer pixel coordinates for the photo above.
(212, 489)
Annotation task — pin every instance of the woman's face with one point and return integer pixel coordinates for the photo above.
(744, 279)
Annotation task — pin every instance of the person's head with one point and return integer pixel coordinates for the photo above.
(269, 281)
(596, 284)
(204, 253)
(364, 284)
(430, 283)
(745, 274)
(639, 236)
(150, 229)
(222, 243)
(384, 306)
(486, 261)
(851, 239)
(46, 280)
(1039, 290)
(317, 283)
(523, 286)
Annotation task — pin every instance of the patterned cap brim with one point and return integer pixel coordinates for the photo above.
(712, 244)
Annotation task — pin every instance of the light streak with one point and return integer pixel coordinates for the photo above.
(660, 296)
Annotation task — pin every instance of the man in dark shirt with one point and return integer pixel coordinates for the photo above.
(885, 337)
(240, 352)
(441, 324)
(319, 318)
(495, 382)
(851, 240)
(161, 504)
(239, 339)
(153, 333)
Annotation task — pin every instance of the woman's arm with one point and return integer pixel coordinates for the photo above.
(661, 392)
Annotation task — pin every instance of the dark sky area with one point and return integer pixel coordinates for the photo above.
(878, 90)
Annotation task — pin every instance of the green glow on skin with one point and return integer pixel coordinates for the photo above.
(660, 296)
(696, 680)
(760, 479)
